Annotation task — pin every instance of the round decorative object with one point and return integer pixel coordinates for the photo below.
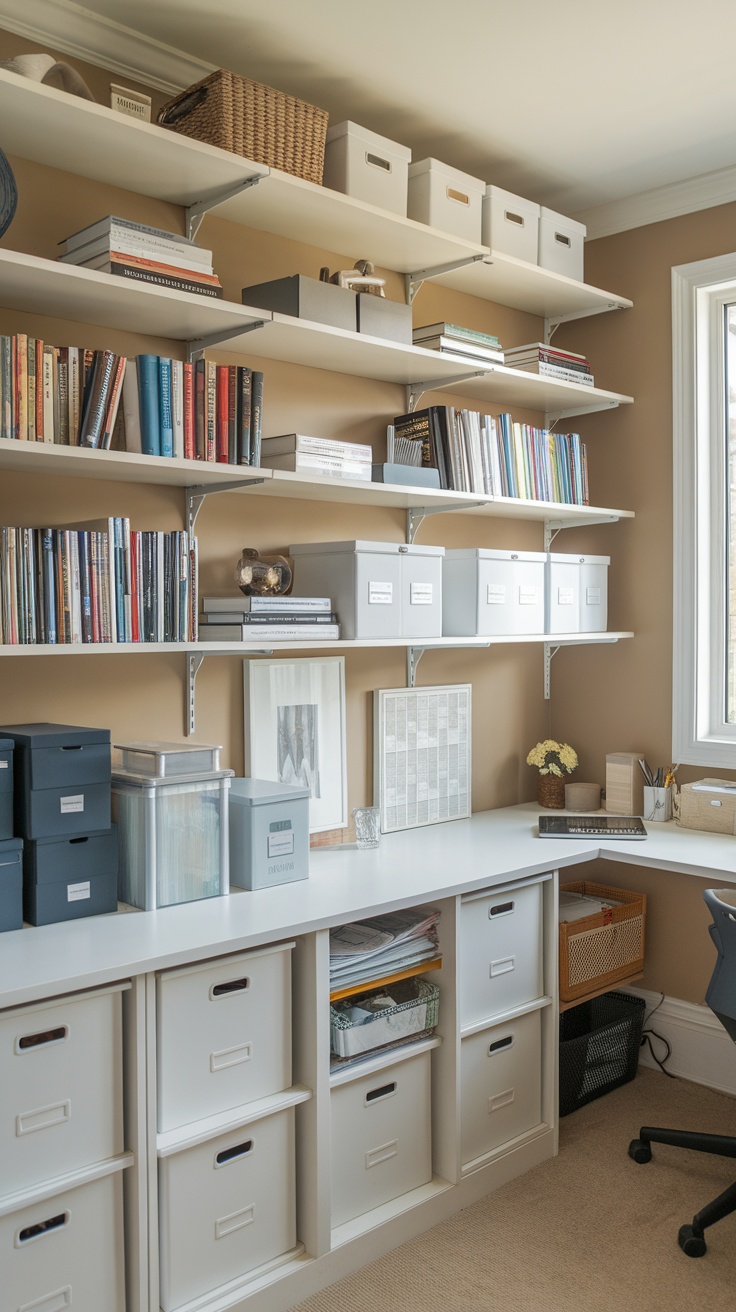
(262, 576)
(8, 195)
(551, 791)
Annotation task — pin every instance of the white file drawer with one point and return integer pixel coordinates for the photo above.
(225, 1207)
(66, 1252)
(61, 1087)
(491, 592)
(500, 952)
(381, 1137)
(501, 1083)
(223, 1034)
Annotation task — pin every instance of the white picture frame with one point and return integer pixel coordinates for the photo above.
(422, 755)
(294, 731)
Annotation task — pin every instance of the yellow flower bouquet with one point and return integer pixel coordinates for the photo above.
(553, 758)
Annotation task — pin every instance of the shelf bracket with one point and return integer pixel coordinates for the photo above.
(195, 213)
(414, 281)
(554, 526)
(194, 660)
(413, 657)
(554, 417)
(200, 344)
(549, 652)
(415, 390)
(416, 514)
(196, 496)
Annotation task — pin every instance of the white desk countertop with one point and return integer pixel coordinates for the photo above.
(419, 865)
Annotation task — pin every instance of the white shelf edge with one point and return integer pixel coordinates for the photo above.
(61, 1183)
(306, 644)
(477, 1163)
(505, 1017)
(373, 1065)
(186, 1136)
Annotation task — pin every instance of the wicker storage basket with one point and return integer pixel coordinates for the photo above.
(251, 120)
(708, 808)
(605, 948)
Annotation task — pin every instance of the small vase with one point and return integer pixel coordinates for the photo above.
(551, 791)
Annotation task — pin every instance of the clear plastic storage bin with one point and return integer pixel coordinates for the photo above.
(165, 760)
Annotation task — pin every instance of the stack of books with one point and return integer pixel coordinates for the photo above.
(267, 619)
(549, 362)
(318, 455)
(133, 250)
(451, 339)
(201, 411)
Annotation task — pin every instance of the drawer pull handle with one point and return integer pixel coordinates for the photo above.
(503, 966)
(222, 1061)
(382, 1154)
(501, 1045)
(73, 747)
(43, 1118)
(29, 1041)
(377, 162)
(230, 986)
(385, 1091)
(42, 1228)
(235, 1221)
(501, 1100)
(232, 1154)
(459, 196)
(83, 839)
(55, 1302)
(501, 909)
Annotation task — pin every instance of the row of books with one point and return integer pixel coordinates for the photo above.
(62, 394)
(494, 456)
(262, 619)
(301, 453)
(97, 584)
(134, 250)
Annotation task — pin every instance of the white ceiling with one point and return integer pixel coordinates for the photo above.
(571, 103)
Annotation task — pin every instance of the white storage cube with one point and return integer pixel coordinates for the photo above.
(489, 592)
(562, 609)
(223, 1034)
(66, 1252)
(561, 244)
(362, 578)
(226, 1206)
(366, 166)
(510, 224)
(381, 1137)
(421, 591)
(501, 1085)
(61, 1089)
(594, 593)
(500, 952)
(445, 198)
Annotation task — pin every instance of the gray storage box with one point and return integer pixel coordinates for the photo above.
(380, 317)
(269, 833)
(379, 589)
(67, 878)
(6, 788)
(11, 884)
(489, 593)
(406, 475)
(62, 779)
(305, 298)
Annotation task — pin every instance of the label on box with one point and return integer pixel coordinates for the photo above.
(565, 596)
(496, 594)
(380, 594)
(421, 594)
(78, 892)
(69, 804)
(281, 844)
(592, 596)
(528, 596)
(4, 765)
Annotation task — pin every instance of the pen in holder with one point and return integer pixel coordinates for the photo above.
(657, 804)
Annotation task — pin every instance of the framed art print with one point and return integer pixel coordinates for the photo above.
(421, 755)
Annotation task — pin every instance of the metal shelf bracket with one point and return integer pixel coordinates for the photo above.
(196, 496)
(414, 281)
(194, 660)
(416, 514)
(413, 657)
(413, 391)
(554, 526)
(549, 652)
(195, 213)
(199, 345)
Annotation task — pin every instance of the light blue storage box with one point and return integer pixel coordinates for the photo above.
(269, 833)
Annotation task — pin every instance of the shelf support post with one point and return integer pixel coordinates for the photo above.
(413, 282)
(195, 213)
(194, 660)
(413, 391)
(196, 496)
(416, 514)
(413, 657)
(549, 652)
(200, 344)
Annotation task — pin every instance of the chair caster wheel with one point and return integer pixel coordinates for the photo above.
(641, 1152)
(691, 1243)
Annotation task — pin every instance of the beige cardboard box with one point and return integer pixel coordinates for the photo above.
(624, 783)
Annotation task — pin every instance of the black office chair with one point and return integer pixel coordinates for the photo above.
(721, 998)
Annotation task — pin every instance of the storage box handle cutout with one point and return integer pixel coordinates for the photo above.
(510, 217)
(503, 966)
(42, 1118)
(459, 196)
(382, 1154)
(378, 163)
(226, 1225)
(42, 1228)
(385, 1091)
(28, 1042)
(221, 1061)
(56, 1302)
(562, 239)
(238, 1150)
(503, 909)
(501, 1100)
(501, 1045)
(229, 986)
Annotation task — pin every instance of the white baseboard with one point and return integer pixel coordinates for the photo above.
(702, 1051)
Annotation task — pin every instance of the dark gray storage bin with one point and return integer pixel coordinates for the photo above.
(306, 298)
(6, 788)
(11, 884)
(380, 317)
(66, 878)
(62, 779)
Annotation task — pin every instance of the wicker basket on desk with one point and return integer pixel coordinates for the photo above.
(252, 120)
(603, 949)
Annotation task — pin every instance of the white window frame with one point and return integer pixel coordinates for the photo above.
(700, 735)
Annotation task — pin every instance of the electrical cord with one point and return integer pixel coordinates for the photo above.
(646, 1041)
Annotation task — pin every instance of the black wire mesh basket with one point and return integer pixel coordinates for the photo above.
(599, 1047)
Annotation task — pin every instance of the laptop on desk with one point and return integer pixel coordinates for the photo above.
(625, 827)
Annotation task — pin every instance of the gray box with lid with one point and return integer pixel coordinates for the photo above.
(306, 298)
(6, 788)
(68, 878)
(269, 833)
(379, 589)
(62, 779)
(11, 884)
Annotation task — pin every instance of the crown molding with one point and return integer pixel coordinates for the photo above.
(73, 30)
(701, 193)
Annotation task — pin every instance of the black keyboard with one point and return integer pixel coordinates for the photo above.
(591, 826)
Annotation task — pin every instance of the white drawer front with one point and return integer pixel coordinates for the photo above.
(501, 1081)
(500, 952)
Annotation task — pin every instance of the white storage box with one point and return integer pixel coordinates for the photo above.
(594, 593)
(561, 244)
(577, 593)
(61, 1106)
(66, 1252)
(226, 1206)
(381, 1137)
(269, 833)
(223, 1034)
(489, 592)
(500, 951)
(366, 166)
(379, 589)
(510, 224)
(445, 198)
(501, 1083)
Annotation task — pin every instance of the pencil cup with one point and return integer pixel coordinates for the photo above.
(657, 804)
(367, 821)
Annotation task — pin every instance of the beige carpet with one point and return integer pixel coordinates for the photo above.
(590, 1231)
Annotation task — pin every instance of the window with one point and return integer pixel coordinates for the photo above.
(704, 556)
